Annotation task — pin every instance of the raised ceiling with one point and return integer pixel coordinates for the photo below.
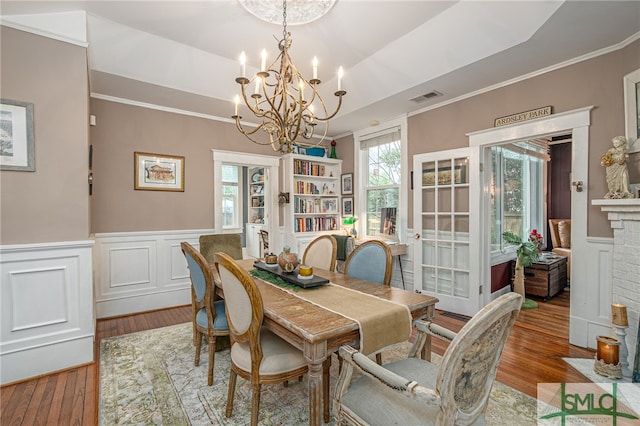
(183, 55)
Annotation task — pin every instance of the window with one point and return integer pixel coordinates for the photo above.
(231, 199)
(517, 190)
(380, 158)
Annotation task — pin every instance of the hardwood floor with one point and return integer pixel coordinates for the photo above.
(533, 354)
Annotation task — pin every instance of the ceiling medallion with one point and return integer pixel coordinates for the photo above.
(298, 11)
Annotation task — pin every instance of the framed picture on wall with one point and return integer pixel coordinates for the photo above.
(16, 136)
(157, 172)
(347, 183)
(347, 206)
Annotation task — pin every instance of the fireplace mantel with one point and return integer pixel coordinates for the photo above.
(624, 218)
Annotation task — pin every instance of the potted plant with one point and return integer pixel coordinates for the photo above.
(526, 253)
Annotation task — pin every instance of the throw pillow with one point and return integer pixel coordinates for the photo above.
(564, 230)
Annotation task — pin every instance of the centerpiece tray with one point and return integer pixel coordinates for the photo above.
(292, 277)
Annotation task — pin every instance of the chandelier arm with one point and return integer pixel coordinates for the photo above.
(327, 118)
(248, 135)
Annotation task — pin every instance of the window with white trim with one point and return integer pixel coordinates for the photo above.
(231, 199)
(517, 191)
(380, 168)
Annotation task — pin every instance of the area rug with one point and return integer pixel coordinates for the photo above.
(149, 378)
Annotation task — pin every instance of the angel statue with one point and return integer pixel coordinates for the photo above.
(615, 160)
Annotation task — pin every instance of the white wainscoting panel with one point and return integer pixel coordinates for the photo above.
(142, 271)
(47, 317)
(591, 294)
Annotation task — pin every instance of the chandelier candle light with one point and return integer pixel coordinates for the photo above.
(284, 100)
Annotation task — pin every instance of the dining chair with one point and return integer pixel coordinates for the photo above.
(264, 238)
(228, 243)
(371, 261)
(321, 253)
(257, 354)
(413, 391)
(208, 315)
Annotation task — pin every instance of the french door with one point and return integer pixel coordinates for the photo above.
(446, 224)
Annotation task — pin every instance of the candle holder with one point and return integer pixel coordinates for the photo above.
(607, 360)
(621, 335)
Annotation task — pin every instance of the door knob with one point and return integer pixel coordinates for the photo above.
(578, 185)
(417, 236)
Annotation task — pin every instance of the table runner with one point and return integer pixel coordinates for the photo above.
(382, 323)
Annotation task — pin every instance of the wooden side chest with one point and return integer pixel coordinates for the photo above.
(546, 277)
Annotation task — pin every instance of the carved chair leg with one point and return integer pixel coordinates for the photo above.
(255, 405)
(232, 390)
(196, 362)
(212, 357)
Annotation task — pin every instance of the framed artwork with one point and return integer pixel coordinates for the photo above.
(445, 176)
(347, 206)
(330, 205)
(632, 110)
(347, 183)
(16, 136)
(157, 172)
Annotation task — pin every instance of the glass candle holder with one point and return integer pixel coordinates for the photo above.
(619, 315)
(305, 271)
(608, 350)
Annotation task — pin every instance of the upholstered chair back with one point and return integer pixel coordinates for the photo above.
(321, 253)
(370, 261)
(242, 298)
(469, 365)
(226, 243)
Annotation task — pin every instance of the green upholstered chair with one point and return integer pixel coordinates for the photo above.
(345, 245)
(413, 391)
(209, 317)
(227, 243)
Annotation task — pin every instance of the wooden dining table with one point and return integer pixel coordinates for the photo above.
(318, 332)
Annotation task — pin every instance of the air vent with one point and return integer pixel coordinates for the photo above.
(427, 96)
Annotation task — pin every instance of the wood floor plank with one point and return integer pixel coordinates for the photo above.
(57, 398)
(90, 413)
(77, 405)
(31, 415)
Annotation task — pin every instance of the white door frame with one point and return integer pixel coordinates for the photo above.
(577, 122)
(271, 165)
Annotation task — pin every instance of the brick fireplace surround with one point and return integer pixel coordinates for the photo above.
(624, 216)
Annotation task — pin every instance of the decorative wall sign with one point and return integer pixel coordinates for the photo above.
(522, 116)
(157, 172)
(16, 136)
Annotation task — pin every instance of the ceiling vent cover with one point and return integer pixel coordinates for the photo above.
(427, 96)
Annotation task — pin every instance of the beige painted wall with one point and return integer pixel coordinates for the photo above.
(595, 82)
(52, 203)
(122, 130)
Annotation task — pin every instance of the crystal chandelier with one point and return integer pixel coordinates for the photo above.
(288, 104)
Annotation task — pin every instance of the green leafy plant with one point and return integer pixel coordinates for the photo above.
(527, 252)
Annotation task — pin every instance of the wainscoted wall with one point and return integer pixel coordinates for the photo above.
(142, 271)
(591, 292)
(47, 321)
